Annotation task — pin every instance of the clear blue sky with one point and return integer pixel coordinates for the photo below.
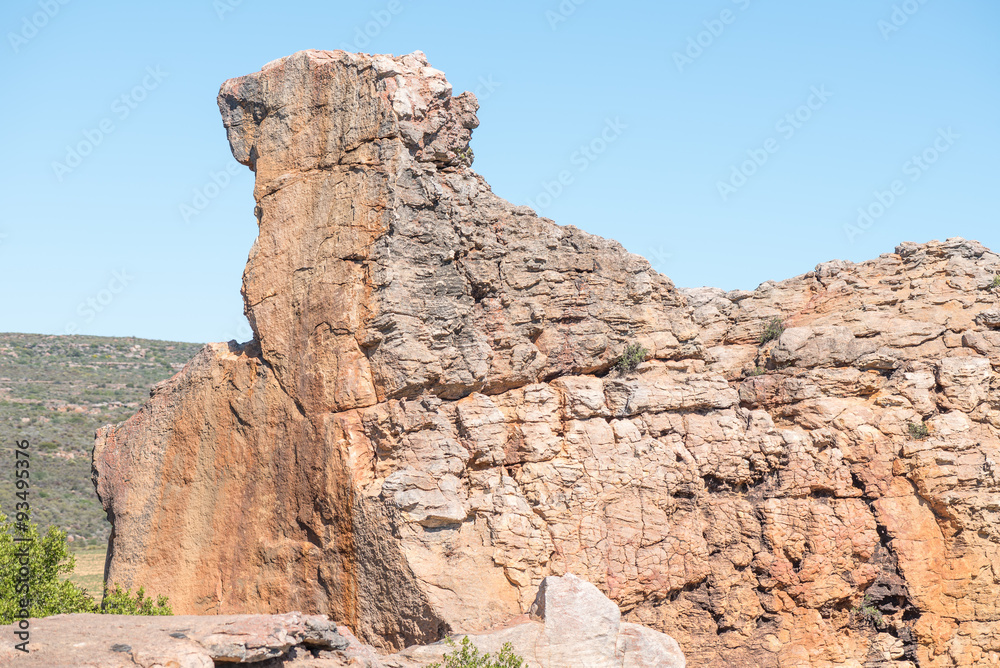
(677, 117)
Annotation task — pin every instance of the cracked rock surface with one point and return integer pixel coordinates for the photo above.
(427, 423)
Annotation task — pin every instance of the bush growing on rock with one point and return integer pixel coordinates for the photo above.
(918, 431)
(867, 612)
(629, 360)
(772, 330)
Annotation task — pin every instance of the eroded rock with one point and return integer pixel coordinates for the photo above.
(426, 425)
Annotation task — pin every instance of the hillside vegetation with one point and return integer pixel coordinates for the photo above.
(55, 391)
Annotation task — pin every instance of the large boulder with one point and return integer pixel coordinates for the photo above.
(430, 421)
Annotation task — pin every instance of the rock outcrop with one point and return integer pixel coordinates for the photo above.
(428, 421)
(571, 625)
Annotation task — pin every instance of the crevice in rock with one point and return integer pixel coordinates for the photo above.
(311, 535)
(242, 422)
(888, 594)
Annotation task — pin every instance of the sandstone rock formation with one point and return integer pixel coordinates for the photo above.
(572, 624)
(428, 422)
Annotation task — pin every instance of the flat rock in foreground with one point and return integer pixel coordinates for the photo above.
(120, 641)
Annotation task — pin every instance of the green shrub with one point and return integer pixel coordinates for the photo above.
(996, 282)
(467, 656)
(869, 613)
(772, 330)
(757, 371)
(630, 359)
(918, 431)
(49, 562)
(120, 601)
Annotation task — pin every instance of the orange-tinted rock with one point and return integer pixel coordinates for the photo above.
(427, 423)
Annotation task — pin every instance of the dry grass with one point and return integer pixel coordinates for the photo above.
(89, 572)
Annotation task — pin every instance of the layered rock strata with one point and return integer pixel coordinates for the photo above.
(429, 420)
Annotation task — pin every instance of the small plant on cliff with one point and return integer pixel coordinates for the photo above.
(772, 330)
(757, 371)
(34, 583)
(464, 154)
(918, 431)
(869, 613)
(467, 655)
(630, 359)
(996, 282)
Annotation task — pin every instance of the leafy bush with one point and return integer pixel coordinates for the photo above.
(772, 330)
(996, 282)
(468, 656)
(47, 561)
(119, 601)
(630, 359)
(918, 431)
(757, 371)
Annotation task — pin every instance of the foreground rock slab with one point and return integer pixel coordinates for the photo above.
(119, 641)
(572, 625)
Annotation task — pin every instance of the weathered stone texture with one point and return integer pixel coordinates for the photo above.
(428, 424)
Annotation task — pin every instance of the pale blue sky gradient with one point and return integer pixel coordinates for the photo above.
(673, 128)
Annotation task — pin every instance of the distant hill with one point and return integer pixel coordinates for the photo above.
(55, 391)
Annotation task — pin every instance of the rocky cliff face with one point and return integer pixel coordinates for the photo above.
(427, 422)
